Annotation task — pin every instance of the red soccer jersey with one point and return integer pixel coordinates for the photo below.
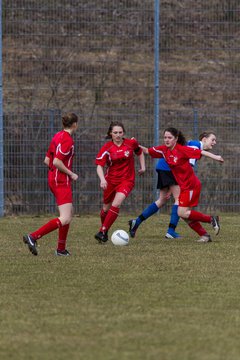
(61, 147)
(119, 160)
(178, 161)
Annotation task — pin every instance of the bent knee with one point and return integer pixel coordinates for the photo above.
(183, 213)
(65, 221)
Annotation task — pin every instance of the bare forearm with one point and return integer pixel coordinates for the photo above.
(46, 161)
(60, 166)
(142, 164)
(144, 149)
(212, 156)
(100, 172)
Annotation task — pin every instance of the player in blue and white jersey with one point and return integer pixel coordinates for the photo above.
(168, 186)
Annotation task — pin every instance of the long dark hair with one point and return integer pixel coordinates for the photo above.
(177, 134)
(111, 126)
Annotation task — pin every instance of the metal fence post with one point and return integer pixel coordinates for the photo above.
(195, 132)
(1, 122)
(156, 81)
(51, 114)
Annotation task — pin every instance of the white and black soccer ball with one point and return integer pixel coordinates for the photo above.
(120, 237)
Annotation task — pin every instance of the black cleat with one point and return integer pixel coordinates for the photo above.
(215, 224)
(31, 243)
(132, 228)
(62, 252)
(101, 237)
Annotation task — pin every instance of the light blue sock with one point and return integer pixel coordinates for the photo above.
(149, 211)
(174, 217)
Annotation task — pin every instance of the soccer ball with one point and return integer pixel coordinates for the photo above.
(120, 237)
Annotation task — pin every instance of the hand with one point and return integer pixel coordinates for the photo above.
(74, 176)
(144, 149)
(141, 171)
(219, 158)
(103, 184)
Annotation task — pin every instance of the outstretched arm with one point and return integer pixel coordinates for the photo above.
(144, 149)
(212, 156)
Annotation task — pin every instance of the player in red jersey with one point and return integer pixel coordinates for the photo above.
(117, 155)
(177, 156)
(59, 159)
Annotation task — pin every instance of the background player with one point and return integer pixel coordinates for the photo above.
(59, 159)
(168, 186)
(117, 155)
(177, 156)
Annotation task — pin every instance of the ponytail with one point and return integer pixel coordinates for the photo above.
(177, 134)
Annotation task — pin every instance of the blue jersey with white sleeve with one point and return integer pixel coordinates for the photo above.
(197, 145)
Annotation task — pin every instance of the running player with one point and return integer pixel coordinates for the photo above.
(177, 156)
(168, 186)
(59, 160)
(117, 155)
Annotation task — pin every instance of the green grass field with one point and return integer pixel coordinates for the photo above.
(153, 299)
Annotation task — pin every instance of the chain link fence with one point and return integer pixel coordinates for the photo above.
(96, 58)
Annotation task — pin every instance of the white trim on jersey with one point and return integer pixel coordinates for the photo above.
(194, 161)
(58, 148)
(103, 154)
(159, 151)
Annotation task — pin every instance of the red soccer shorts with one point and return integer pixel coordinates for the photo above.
(63, 194)
(190, 198)
(125, 187)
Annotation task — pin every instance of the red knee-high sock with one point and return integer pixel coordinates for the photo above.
(197, 216)
(110, 218)
(103, 215)
(47, 228)
(62, 237)
(197, 227)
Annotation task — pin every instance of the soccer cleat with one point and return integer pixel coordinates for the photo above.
(62, 253)
(171, 234)
(101, 237)
(132, 227)
(31, 243)
(215, 224)
(204, 239)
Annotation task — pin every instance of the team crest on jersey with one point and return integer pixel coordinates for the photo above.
(175, 158)
(126, 153)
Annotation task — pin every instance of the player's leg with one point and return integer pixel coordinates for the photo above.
(65, 216)
(108, 196)
(114, 210)
(111, 216)
(147, 212)
(31, 239)
(62, 196)
(193, 215)
(198, 228)
(174, 218)
(115, 199)
(190, 199)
